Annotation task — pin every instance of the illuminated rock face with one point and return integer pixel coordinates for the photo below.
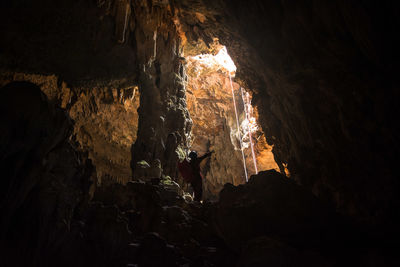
(212, 110)
(105, 121)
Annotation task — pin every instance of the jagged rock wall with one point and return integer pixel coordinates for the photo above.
(105, 121)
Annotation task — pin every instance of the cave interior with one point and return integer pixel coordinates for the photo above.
(101, 99)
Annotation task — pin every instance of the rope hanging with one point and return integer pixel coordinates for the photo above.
(238, 127)
(246, 111)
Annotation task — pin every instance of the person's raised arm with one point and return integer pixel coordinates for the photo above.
(205, 155)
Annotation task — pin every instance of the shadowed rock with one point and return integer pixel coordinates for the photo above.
(271, 205)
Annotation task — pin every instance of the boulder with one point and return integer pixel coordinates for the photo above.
(272, 205)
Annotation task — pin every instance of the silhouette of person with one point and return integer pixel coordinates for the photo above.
(190, 171)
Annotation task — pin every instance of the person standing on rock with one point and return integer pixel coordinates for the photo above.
(191, 173)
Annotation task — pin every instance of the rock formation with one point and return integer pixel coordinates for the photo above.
(164, 123)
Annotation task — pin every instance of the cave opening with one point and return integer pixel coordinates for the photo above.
(224, 120)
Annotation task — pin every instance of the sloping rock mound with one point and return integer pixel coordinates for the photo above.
(271, 205)
(265, 251)
(273, 221)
